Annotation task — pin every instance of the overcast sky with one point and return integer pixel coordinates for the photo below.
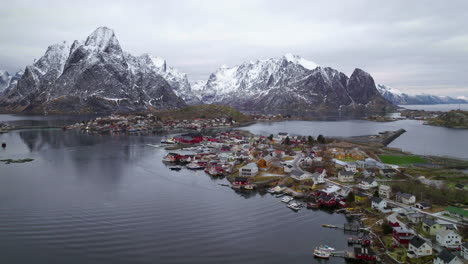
(414, 46)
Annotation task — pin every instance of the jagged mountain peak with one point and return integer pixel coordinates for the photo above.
(310, 65)
(5, 79)
(290, 83)
(103, 39)
(91, 76)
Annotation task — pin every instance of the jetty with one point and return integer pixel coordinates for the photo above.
(383, 138)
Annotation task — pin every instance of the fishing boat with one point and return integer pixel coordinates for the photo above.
(175, 168)
(168, 141)
(287, 199)
(248, 187)
(323, 254)
(194, 166)
(294, 206)
(329, 226)
(311, 205)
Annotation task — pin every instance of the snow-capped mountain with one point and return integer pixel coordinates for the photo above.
(291, 84)
(400, 98)
(94, 75)
(197, 88)
(5, 79)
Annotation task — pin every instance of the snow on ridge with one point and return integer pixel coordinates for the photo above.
(310, 65)
(383, 88)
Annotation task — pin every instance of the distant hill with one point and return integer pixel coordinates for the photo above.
(204, 111)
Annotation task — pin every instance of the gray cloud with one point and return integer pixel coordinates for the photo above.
(415, 46)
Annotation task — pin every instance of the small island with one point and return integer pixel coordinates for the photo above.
(452, 119)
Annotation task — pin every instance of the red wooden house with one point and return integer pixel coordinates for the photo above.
(402, 235)
(241, 181)
(326, 200)
(189, 138)
(364, 253)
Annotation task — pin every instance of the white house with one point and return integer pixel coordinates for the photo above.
(367, 173)
(318, 177)
(346, 176)
(385, 191)
(448, 238)
(378, 203)
(446, 257)
(351, 166)
(300, 176)
(405, 198)
(368, 183)
(418, 247)
(249, 170)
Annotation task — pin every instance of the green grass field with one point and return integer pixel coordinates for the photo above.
(401, 159)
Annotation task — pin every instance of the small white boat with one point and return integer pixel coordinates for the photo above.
(287, 199)
(294, 206)
(168, 141)
(154, 146)
(249, 187)
(194, 166)
(323, 254)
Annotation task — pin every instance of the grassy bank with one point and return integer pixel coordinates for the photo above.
(401, 160)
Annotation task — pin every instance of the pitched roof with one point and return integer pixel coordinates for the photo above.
(346, 173)
(251, 165)
(376, 199)
(429, 221)
(417, 242)
(446, 256)
(241, 179)
(444, 232)
(369, 180)
(296, 172)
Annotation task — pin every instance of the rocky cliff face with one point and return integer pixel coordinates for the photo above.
(87, 77)
(292, 85)
(400, 98)
(5, 79)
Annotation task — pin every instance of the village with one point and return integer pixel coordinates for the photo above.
(147, 123)
(313, 173)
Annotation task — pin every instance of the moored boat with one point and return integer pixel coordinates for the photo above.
(175, 168)
(323, 254)
(311, 205)
(287, 199)
(194, 166)
(294, 206)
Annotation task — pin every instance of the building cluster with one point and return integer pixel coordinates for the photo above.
(148, 123)
(327, 175)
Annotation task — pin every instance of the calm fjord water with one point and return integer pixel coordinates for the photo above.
(109, 199)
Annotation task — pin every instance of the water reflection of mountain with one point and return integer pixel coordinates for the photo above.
(98, 158)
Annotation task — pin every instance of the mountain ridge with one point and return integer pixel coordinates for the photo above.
(398, 97)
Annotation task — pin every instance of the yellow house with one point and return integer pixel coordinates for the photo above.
(430, 225)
